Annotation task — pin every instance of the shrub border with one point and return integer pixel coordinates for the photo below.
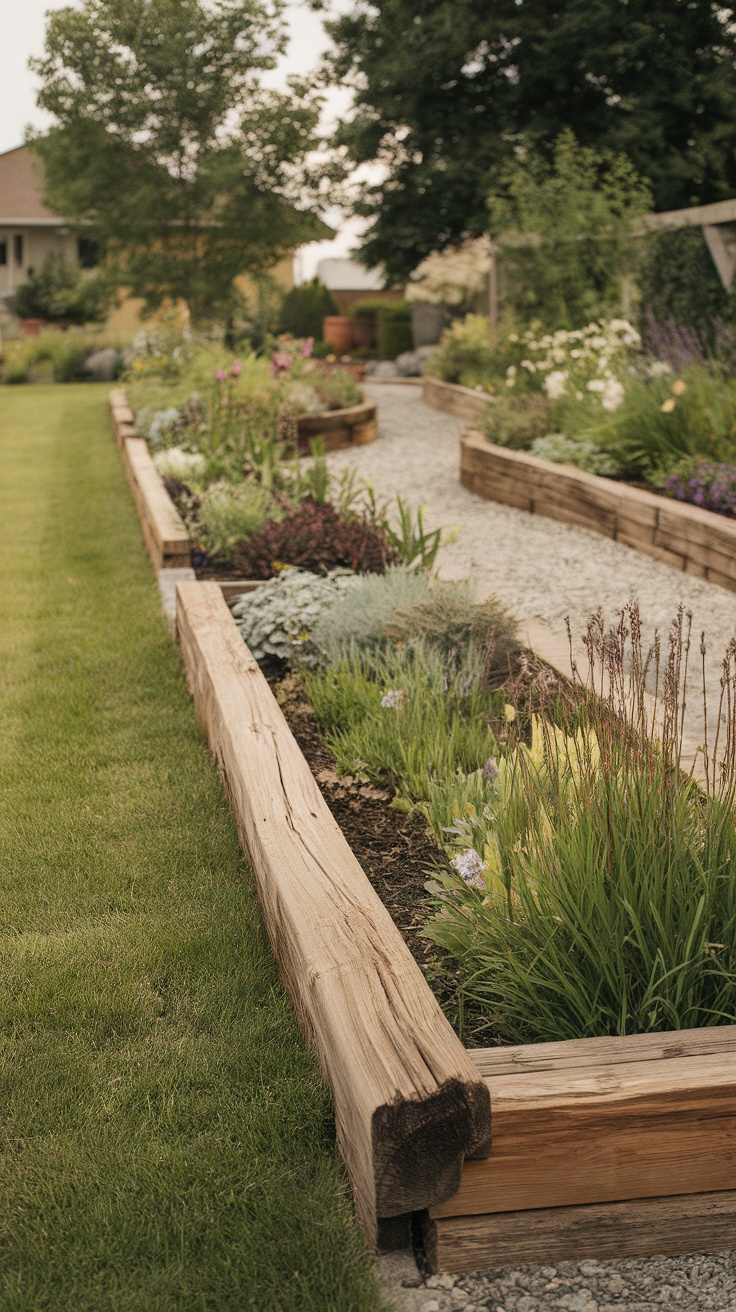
(699, 542)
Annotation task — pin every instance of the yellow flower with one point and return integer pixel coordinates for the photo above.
(509, 713)
(667, 406)
(330, 359)
(679, 387)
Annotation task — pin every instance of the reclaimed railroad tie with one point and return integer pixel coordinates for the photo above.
(410, 1104)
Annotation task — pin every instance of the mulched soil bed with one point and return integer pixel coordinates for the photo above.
(393, 848)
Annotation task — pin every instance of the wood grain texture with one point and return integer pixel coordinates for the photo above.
(409, 1103)
(650, 1227)
(163, 528)
(354, 425)
(581, 1054)
(451, 399)
(606, 1132)
(685, 537)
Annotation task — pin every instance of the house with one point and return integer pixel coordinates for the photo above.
(29, 232)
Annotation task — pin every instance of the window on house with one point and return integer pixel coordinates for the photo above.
(87, 252)
(18, 249)
(3, 251)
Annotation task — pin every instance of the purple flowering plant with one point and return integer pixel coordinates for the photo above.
(704, 483)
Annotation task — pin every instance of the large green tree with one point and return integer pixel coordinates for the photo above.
(445, 89)
(165, 145)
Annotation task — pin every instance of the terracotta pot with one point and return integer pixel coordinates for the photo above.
(364, 329)
(337, 330)
(32, 327)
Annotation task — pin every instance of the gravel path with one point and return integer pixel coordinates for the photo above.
(688, 1284)
(543, 571)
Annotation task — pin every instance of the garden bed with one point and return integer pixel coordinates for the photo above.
(649, 1121)
(356, 425)
(452, 399)
(700, 542)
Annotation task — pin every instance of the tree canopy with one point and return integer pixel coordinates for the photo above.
(572, 226)
(166, 147)
(445, 89)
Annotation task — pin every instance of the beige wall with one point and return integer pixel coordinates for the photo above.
(37, 242)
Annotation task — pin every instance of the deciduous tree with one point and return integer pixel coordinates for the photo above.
(166, 146)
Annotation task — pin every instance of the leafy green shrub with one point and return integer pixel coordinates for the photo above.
(315, 537)
(678, 281)
(337, 390)
(517, 421)
(390, 307)
(360, 618)
(447, 620)
(230, 512)
(61, 293)
(465, 354)
(276, 619)
(400, 715)
(304, 308)
(577, 451)
(662, 420)
(68, 354)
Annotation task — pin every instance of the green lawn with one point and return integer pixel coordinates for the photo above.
(166, 1142)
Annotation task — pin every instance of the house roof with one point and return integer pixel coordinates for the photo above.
(21, 201)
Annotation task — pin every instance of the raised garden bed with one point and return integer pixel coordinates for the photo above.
(452, 399)
(599, 1147)
(354, 426)
(697, 541)
(164, 531)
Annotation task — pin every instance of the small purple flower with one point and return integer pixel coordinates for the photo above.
(490, 770)
(236, 368)
(393, 699)
(220, 375)
(470, 867)
(307, 347)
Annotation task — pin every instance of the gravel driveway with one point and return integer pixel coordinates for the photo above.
(543, 571)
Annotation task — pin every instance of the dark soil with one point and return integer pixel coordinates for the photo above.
(394, 849)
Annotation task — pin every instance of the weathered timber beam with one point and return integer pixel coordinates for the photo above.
(409, 1103)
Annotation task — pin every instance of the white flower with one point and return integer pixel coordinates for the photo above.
(596, 385)
(554, 384)
(613, 394)
(470, 868)
(179, 464)
(392, 699)
(528, 364)
(657, 368)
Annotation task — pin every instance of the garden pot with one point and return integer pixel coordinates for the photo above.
(32, 327)
(337, 330)
(364, 330)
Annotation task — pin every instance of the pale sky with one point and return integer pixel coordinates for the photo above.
(23, 36)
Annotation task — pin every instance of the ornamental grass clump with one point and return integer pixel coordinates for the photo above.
(595, 890)
(400, 716)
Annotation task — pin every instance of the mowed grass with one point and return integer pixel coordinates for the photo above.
(165, 1139)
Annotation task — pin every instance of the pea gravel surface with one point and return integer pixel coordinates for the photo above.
(543, 571)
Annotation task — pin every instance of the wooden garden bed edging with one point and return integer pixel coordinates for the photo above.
(452, 399)
(409, 1101)
(697, 541)
(355, 425)
(164, 530)
(605, 1147)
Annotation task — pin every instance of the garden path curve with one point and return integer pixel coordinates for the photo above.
(543, 570)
